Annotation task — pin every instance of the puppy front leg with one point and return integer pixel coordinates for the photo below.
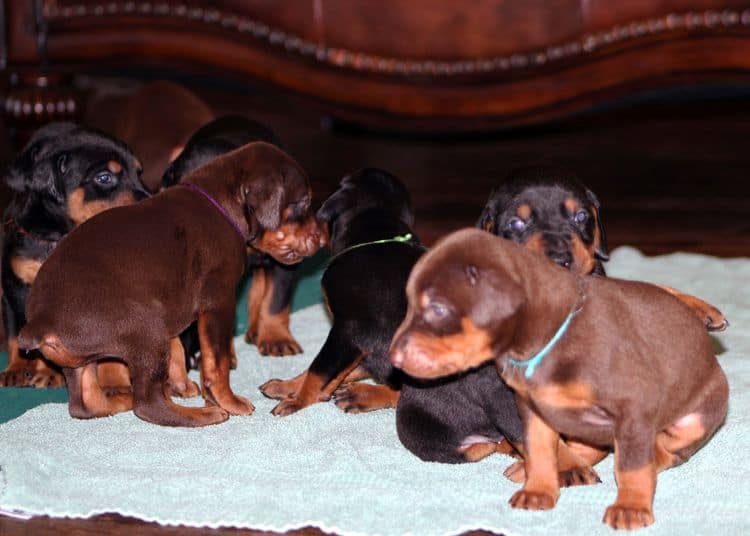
(635, 470)
(215, 334)
(542, 487)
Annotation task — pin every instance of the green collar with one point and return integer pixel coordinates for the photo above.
(404, 239)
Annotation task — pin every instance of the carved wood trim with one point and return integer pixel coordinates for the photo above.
(715, 20)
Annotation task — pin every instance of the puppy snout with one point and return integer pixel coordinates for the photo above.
(557, 249)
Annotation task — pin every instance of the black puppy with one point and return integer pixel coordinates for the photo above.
(65, 175)
(466, 418)
(273, 283)
(369, 219)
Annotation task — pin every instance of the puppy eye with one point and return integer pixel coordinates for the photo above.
(435, 311)
(104, 178)
(516, 225)
(581, 216)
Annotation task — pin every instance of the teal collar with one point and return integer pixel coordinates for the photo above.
(402, 239)
(535, 361)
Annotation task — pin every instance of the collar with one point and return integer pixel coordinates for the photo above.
(403, 239)
(216, 205)
(536, 360)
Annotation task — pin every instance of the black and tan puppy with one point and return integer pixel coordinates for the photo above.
(605, 363)
(194, 239)
(373, 247)
(270, 295)
(453, 420)
(62, 177)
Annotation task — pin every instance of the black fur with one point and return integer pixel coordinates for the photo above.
(433, 420)
(60, 159)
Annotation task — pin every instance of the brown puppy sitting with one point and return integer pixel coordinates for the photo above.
(605, 363)
(194, 240)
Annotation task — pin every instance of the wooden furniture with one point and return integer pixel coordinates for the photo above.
(466, 64)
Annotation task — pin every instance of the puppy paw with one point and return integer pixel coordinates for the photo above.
(578, 476)
(715, 321)
(628, 517)
(516, 472)
(278, 348)
(17, 376)
(287, 407)
(187, 389)
(363, 397)
(278, 389)
(47, 379)
(237, 405)
(533, 500)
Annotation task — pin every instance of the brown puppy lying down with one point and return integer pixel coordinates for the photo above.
(603, 362)
(91, 302)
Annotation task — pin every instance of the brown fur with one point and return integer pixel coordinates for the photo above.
(655, 400)
(195, 265)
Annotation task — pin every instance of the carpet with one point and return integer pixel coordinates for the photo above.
(349, 473)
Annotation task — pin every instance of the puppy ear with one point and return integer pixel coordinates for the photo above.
(18, 175)
(488, 219)
(48, 177)
(333, 206)
(600, 235)
(501, 298)
(263, 205)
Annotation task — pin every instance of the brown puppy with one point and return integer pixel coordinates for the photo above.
(193, 239)
(603, 362)
(141, 124)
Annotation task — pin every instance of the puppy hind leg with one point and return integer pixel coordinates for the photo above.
(151, 401)
(178, 381)
(87, 400)
(337, 359)
(215, 333)
(679, 441)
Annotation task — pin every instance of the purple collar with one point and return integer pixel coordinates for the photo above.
(216, 205)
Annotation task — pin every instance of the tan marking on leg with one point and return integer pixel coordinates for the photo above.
(215, 375)
(478, 451)
(254, 301)
(542, 488)
(95, 401)
(46, 375)
(274, 337)
(113, 376)
(281, 389)
(25, 269)
(711, 317)
(363, 397)
(313, 389)
(635, 495)
(178, 382)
